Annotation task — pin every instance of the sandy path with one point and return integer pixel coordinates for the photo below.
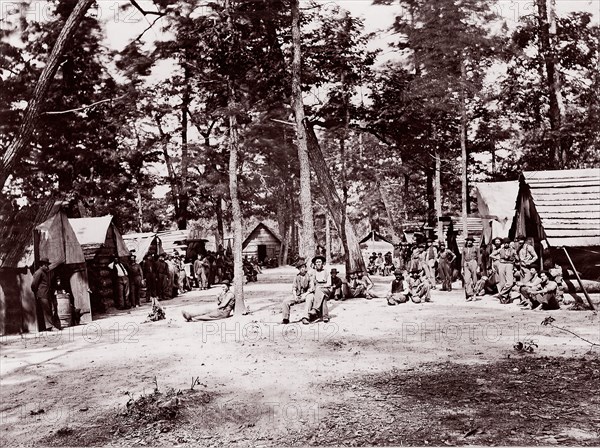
(271, 378)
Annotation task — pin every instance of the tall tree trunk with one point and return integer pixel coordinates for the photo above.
(173, 181)
(327, 236)
(236, 210)
(438, 193)
(388, 210)
(429, 174)
(547, 37)
(140, 210)
(334, 204)
(308, 230)
(18, 147)
(463, 149)
(182, 217)
(220, 227)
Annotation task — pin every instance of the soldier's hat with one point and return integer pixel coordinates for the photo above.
(301, 262)
(318, 257)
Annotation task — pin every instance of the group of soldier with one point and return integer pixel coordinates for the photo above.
(509, 272)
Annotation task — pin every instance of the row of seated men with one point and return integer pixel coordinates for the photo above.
(316, 286)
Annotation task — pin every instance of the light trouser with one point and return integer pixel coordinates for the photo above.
(319, 302)
(429, 267)
(506, 278)
(470, 276)
(294, 300)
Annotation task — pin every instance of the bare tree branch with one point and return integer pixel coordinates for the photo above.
(58, 112)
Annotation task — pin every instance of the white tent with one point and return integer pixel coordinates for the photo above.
(140, 243)
(496, 203)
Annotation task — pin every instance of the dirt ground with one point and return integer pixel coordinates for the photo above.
(441, 373)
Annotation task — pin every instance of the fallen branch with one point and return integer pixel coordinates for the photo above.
(548, 322)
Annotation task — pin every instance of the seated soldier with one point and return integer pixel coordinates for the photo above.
(543, 295)
(336, 285)
(302, 289)
(358, 286)
(379, 264)
(371, 268)
(522, 286)
(420, 289)
(226, 304)
(367, 284)
(317, 305)
(400, 290)
(353, 288)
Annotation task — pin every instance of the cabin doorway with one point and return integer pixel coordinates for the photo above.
(262, 252)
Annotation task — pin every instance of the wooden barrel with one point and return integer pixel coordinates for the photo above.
(63, 308)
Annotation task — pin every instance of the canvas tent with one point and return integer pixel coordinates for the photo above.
(496, 207)
(27, 236)
(375, 242)
(262, 243)
(174, 240)
(142, 244)
(101, 241)
(562, 209)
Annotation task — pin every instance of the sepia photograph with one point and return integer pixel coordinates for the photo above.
(291, 223)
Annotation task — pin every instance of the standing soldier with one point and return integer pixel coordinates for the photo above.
(508, 257)
(527, 258)
(495, 261)
(40, 285)
(163, 289)
(470, 266)
(136, 281)
(149, 267)
(121, 282)
(445, 259)
(431, 256)
(415, 258)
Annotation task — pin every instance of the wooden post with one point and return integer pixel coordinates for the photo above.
(587, 296)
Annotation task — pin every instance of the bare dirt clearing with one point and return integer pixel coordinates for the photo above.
(439, 373)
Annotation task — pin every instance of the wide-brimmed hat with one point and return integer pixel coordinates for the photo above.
(520, 238)
(398, 272)
(301, 262)
(415, 271)
(45, 261)
(226, 282)
(334, 271)
(505, 240)
(469, 238)
(318, 257)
